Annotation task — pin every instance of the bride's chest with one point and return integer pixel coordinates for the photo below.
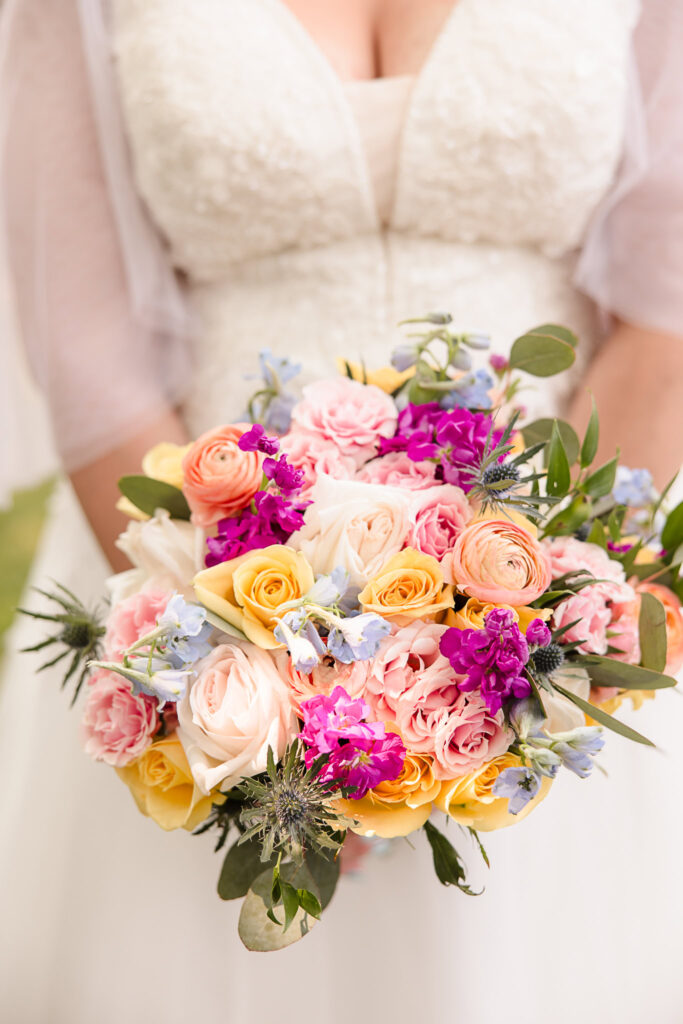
(244, 143)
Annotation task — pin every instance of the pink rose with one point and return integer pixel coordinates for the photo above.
(353, 416)
(438, 517)
(466, 736)
(324, 677)
(397, 470)
(132, 618)
(315, 454)
(567, 554)
(593, 613)
(237, 707)
(117, 726)
(409, 679)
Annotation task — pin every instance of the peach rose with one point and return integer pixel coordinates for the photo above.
(499, 561)
(473, 614)
(409, 586)
(397, 807)
(218, 477)
(247, 591)
(324, 677)
(236, 709)
(469, 800)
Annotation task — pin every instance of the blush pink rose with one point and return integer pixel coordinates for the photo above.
(218, 477)
(594, 609)
(397, 470)
(117, 726)
(353, 416)
(315, 455)
(438, 517)
(409, 680)
(324, 677)
(132, 618)
(466, 736)
(567, 554)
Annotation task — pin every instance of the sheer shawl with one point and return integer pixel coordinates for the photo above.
(101, 312)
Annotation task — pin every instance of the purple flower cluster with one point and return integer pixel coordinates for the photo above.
(361, 754)
(457, 440)
(273, 516)
(491, 659)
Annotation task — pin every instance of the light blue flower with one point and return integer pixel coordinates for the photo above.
(277, 370)
(526, 717)
(186, 632)
(328, 590)
(470, 392)
(403, 357)
(358, 637)
(544, 760)
(519, 785)
(304, 644)
(479, 341)
(633, 487)
(461, 360)
(278, 415)
(151, 675)
(577, 748)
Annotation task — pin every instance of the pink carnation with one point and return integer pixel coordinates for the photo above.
(438, 517)
(567, 554)
(314, 455)
(397, 470)
(353, 416)
(130, 619)
(117, 726)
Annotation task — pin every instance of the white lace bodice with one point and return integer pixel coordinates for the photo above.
(248, 155)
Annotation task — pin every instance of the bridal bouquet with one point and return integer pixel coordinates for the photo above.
(383, 607)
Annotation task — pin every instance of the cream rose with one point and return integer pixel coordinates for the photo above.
(235, 710)
(352, 524)
(166, 554)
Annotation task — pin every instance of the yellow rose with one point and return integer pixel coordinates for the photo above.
(470, 802)
(162, 462)
(386, 378)
(163, 788)
(248, 591)
(637, 698)
(473, 614)
(409, 586)
(397, 807)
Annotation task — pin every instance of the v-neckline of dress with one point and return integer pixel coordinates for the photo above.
(297, 30)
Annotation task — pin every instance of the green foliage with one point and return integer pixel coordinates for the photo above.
(600, 483)
(652, 632)
(672, 534)
(544, 351)
(241, 866)
(541, 431)
(218, 622)
(607, 672)
(589, 447)
(259, 927)
(148, 495)
(600, 716)
(448, 864)
(558, 480)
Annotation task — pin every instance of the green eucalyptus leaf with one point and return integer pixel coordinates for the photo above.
(290, 902)
(598, 715)
(261, 933)
(607, 672)
(148, 495)
(558, 480)
(614, 524)
(241, 865)
(652, 632)
(325, 871)
(601, 482)
(597, 535)
(589, 448)
(672, 534)
(541, 430)
(309, 902)
(543, 351)
(569, 519)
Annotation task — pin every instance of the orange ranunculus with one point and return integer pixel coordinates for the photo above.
(218, 477)
(499, 561)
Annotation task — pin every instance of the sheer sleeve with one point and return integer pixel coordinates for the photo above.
(100, 313)
(632, 262)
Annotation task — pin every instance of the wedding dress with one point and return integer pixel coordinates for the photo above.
(309, 216)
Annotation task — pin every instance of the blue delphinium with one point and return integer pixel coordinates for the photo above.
(519, 785)
(633, 487)
(470, 392)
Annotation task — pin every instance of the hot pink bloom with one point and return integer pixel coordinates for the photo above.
(438, 516)
(397, 470)
(117, 726)
(353, 416)
(315, 454)
(132, 618)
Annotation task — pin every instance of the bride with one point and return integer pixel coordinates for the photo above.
(188, 183)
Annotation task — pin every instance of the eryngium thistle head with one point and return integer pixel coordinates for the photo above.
(548, 659)
(496, 474)
(289, 809)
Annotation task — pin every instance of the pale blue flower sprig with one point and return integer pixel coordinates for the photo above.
(351, 635)
(543, 753)
(161, 663)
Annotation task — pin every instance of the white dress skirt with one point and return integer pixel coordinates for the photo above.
(309, 218)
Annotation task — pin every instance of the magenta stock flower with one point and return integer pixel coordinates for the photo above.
(361, 754)
(491, 659)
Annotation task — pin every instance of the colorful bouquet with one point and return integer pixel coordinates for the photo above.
(383, 600)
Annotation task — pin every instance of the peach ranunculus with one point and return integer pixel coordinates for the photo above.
(163, 788)
(473, 614)
(469, 800)
(385, 377)
(397, 807)
(354, 525)
(218, 477)
(322, 679)
(237, 707)
(499, 561)
(409, 586)
(247, 591)
(352, 415)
